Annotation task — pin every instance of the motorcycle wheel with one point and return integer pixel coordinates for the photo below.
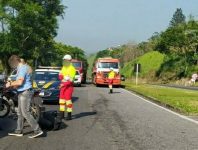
(35, 111)
(5, 109)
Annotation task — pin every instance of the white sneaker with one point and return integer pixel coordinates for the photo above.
(36, 134)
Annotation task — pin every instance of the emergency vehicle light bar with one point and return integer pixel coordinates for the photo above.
(48, 67)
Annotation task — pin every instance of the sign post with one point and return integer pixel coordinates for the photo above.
(137, 69)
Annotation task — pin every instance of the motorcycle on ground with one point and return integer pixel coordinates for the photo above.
(9, 102)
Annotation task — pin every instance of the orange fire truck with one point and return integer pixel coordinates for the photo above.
(102, 68)
(79, 65)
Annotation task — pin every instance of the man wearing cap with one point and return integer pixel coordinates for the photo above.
(66, 75)
(111, 76)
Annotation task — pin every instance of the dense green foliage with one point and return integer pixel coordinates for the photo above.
(150, 64)
(126, 52)
(174, 56)
(60, 50)
(90, 61)
(1, 67)
(178, 18)
(180, 43)
(28, 29)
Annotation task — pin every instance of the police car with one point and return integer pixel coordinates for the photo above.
(46, 79)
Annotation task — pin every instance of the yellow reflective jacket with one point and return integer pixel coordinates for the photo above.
(111, 75)
(68, 71)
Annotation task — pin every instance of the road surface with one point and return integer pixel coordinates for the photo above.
(121, 121)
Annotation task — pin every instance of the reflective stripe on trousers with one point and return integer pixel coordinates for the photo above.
(67, 103)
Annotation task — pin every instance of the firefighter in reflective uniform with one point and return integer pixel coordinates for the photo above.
(66, 75)
(111, 77)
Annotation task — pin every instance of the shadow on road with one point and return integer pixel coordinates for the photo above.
(116, 92)
(6, 125)
(74, 99)
(106, 86)
(46, 122)
(83, 85)
(84, 114)
(3, 133)
(123, 86)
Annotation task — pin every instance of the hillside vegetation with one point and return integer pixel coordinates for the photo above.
(150, 64)
(167, 56)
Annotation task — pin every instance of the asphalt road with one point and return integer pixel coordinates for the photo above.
(120, 121)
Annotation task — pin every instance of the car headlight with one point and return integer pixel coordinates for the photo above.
(45, 93)
(48, 93)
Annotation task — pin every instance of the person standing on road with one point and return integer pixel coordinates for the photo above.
(25, 93)
(67, 75)
(111, 77)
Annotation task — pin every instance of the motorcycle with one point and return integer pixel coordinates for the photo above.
(9, 102)
(4, 104)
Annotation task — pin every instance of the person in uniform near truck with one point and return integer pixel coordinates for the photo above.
(66, 75)
(111, 77)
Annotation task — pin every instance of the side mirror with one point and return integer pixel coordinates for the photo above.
(122, 78)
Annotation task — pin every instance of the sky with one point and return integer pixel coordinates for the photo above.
(95, 25)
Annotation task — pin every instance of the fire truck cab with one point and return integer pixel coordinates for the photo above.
(102, 68)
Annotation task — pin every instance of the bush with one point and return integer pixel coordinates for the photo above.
(174, 68)
(127, 70)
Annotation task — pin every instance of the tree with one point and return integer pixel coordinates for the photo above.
(60, 50)
(180, 45)
(103, 53)
(28, 28)
(178, 18)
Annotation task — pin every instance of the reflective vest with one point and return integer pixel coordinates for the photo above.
(111, 75)
(68, 71)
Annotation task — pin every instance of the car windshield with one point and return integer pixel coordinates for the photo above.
(77, 64)
(46, 76)
(108, 65)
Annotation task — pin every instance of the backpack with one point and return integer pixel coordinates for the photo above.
(50, 120)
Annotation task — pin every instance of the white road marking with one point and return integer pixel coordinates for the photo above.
(168, 110)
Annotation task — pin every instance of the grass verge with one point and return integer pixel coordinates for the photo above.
(183, 101)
